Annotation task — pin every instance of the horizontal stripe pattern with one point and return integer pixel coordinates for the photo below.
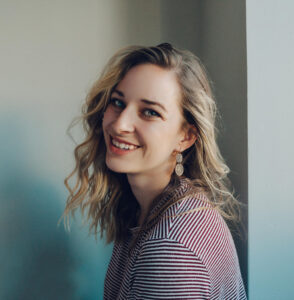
(184, 256)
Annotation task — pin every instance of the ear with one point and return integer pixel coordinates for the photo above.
(189, 136)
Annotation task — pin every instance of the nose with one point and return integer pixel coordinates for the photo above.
(125, 121)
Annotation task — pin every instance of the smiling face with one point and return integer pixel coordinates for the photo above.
(142, 123)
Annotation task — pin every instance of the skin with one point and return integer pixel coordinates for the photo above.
(157, 131)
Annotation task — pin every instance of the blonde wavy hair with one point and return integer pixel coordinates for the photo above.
(111, 206)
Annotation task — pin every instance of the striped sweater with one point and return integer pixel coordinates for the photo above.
(183, 256)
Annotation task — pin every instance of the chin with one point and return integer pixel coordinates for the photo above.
(118, 168)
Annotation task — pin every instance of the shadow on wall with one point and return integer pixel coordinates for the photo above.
(35, 255)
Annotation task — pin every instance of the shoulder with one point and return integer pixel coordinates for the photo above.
(191, 246)
(195, 224)
(165, 268)
(192, 235)
(191, 211)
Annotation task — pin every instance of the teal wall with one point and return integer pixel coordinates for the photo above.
(270, 48)
(38, 259)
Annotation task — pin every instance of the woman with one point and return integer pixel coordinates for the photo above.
(152, 178)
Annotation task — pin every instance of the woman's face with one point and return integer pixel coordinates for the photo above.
(142, 123)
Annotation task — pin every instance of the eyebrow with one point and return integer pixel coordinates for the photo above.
(120, 93)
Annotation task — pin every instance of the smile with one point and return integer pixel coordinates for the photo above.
(122, 146)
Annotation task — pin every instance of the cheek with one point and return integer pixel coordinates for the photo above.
(107, 118)
(161, 137)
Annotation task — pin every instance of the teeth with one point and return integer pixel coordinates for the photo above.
(122, 145)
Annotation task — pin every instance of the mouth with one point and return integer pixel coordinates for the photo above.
(121, 145)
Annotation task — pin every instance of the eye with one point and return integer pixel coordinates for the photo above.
(117, 103)
(149, 113)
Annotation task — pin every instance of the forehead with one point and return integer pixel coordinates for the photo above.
(153, 83)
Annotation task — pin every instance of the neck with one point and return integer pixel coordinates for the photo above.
(146, 189)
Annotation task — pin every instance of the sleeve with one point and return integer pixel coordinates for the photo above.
(165, 269)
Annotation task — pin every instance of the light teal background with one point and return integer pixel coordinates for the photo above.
(38, 259)
(270, 48)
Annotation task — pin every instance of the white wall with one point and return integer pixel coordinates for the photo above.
(270, 48)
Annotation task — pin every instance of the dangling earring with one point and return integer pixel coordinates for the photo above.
(179, 169)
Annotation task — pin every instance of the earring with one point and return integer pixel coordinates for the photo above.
(179, 169)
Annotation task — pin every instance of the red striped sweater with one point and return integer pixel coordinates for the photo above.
(184, 256)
